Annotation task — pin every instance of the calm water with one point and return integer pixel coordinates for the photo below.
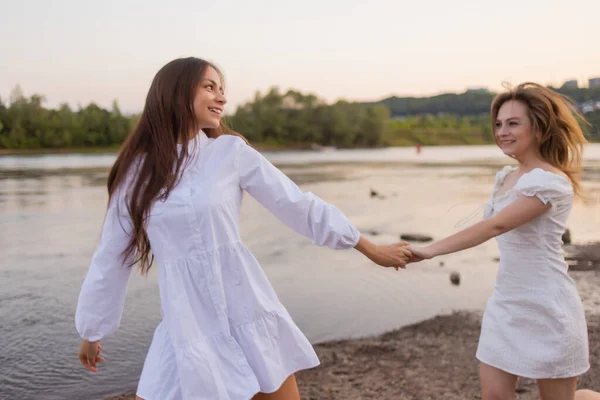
(51, 211)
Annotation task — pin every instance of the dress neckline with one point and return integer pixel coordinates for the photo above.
(508, 169)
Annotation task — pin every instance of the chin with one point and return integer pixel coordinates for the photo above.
(509, 151)
(211, 124)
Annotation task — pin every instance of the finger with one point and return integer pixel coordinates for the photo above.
(92, 361)
(99, 359)
(85, 363)
(83, 360)
(407, 255)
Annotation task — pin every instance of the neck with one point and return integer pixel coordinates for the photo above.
(190, 136)
(529, 161)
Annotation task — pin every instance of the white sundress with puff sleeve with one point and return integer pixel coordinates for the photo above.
(534, 323)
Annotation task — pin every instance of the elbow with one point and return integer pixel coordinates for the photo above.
(497, 228)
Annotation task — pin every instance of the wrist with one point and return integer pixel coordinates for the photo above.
(432, 250)
(365, 246)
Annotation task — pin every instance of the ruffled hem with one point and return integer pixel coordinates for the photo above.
(255, 357)
(274, 348)
(530, 374)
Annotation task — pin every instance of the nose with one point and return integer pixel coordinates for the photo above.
(221, 98)
(502, 130)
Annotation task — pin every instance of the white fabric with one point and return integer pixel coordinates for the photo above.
(534, 324)
(224, 333)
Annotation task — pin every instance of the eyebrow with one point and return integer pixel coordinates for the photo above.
(509, 119)
(211, 81)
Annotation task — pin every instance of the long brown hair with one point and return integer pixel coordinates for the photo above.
(556, 121)
(151, 147)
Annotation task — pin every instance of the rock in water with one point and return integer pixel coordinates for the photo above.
(415, 237)
(566, 237)
(455, 278)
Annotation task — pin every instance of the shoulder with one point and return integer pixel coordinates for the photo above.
(545, 184)
(500, 175)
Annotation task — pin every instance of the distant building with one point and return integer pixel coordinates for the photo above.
(589, 106)
(572, 84)
(594, 82)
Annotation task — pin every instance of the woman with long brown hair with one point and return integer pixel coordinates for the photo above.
(174, 196)
(534, 324)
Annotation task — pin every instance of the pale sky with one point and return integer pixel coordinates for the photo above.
(81, 51)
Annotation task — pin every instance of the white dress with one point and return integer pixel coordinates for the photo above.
(224, 333)
(534, 323)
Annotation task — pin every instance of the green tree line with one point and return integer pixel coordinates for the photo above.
(26, 124)
(277, 119)
(294, 118)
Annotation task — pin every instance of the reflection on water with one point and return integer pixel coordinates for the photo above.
(50, 224)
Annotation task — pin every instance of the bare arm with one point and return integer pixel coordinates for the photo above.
(521, 211)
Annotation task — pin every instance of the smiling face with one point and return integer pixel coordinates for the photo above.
(514, 131)
(209, 100)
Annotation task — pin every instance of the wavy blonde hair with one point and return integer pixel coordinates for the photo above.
(556, 122)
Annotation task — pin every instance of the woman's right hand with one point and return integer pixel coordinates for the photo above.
(394, 255)
(89, 354)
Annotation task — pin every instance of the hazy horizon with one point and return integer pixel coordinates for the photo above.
(78, 52)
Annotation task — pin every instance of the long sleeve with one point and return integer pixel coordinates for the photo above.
(102, 295)
(303, 212)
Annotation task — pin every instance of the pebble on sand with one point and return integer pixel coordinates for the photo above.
(455, 278)
(415, 237)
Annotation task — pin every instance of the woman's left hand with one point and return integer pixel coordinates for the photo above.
(420, 253)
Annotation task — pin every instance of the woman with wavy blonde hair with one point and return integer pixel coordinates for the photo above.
(534, 323)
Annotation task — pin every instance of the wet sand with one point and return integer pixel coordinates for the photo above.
(434, 359)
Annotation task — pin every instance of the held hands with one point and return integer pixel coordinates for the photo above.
(420, 253)
(393, 255)
(89, 354)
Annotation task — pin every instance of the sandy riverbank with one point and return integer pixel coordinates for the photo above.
(434, 359)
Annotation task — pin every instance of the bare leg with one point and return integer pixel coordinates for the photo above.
(287, 391)
(586, 394)
(496, 384)
(557, 389)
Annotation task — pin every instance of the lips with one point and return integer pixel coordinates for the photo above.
(216, 110)
(507, 142)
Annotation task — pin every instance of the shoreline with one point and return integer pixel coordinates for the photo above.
(432, 359)
(115, 149)
(258, 146)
